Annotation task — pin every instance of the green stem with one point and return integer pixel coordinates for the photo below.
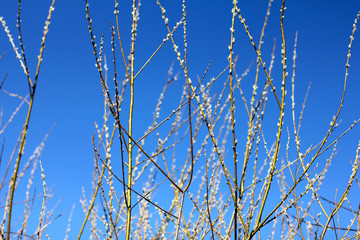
(16, 170)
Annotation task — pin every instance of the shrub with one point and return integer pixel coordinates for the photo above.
(186, 176)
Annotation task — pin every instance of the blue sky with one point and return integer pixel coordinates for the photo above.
(69, 91)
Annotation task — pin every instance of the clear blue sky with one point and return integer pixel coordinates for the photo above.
(69, 91)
